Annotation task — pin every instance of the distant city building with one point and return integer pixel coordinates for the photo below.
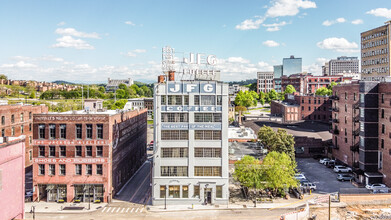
(265, 81)
(298, 81)
(291, 66)
(191, 143)
(112, 84)
(140, 103)
(12, 177)
(277, 70)
(325, 69)
(17, 120)
(343, 65)
(375, 54)
(86, 155)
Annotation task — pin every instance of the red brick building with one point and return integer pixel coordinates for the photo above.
(345, 123)
(298, 81)
(86, 156)
(12, 177)
(17, 120)
(288, 111)
(385, 132)
(314, 108)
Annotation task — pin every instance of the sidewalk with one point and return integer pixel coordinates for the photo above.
(52, 207)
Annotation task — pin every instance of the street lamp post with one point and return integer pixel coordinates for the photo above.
(33, 211)
(165, 197)
(89, 197)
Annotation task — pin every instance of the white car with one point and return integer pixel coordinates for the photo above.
(375, 186)
(308, 185)
(300, 176)
(342, 169)
(322, 161)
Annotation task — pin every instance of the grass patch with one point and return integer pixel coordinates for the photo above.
(150, 122)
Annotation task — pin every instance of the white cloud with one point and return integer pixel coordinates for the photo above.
(130, 23)
(134, 52)
(237, 60)
(329, 23)
(274, 26)
(62, 23)
(357, 21)
(282, 8)
(75, 33)
(52, 58)
(316, 67)
(338, 44)
(140, 51)
(70, 42)
(250, 24)
(380, 12)
(20, 64)
(271, 43)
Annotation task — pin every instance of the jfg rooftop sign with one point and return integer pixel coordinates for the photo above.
(177, 88)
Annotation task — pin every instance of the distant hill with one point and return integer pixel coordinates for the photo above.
(243, 82)
(63, 82)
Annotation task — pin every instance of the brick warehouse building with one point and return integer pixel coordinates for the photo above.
(87, 155)
(17, 120)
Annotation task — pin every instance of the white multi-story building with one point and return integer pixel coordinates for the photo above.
(265, 81)
(190, 162)
(343, 65)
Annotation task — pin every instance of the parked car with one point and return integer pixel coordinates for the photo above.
(375, 186)
(322, 161)
(300, 176)
(330, 163)
(308, 185)
(342, 169)
(345, 177)
(151, 143)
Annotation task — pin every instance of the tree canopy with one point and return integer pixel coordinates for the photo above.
(289, 89)
(246, 99)
(279, 141)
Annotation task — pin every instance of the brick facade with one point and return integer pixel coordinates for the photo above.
(314, 108)
(122, 143)
(18, 120)
(385, 137)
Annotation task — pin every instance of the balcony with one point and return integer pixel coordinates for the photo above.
(335, 120)
(356, 119)
(355, 148)
(335, 109)
(334, 97)
(356, 132)
(356, 105)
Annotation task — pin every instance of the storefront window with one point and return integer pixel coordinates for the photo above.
(173, 191)
(185, 192)
(162, 191)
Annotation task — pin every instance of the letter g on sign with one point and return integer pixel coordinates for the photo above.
(208, 88)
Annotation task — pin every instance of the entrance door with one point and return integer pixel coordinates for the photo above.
(208, 195)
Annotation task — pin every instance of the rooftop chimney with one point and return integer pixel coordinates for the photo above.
(171, 76)
(160, 79)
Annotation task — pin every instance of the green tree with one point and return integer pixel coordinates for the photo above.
(323, 91)
(101, 89)
(273, 95)
(248, 171)
(281, 96)
(279, 171)
(120, 104)
(32, 95)
(289, 89)
(121, 94)
(147, 91)
(135, 88)
(245, 99)
(2, 76)
(279, 141)
(122, 86)
(240, 109)
(252, 87)
(332, 84)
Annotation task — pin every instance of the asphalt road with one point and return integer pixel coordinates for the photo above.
(324, 178)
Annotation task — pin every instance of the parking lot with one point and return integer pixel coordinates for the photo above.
(324, 178)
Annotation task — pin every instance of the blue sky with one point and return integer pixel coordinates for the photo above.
(89, 41)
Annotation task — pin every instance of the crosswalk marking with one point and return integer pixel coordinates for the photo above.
(108, 209)
(141, 209)
(122, 210)
(113, 209)
(127, 209)
(118, 209)
(137, 210)
(132, 210)
(103, 209)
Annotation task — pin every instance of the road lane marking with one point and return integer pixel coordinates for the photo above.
(108, 209)
(118, 209)
(122, 210)
(127, 209)
(103, 209)
(132, 210)
(137, 210)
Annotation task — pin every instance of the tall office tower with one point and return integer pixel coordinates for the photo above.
(291, 66)
(277, 77)
(343, 65)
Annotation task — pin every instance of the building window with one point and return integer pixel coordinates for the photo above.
(99, 151)
(78, 169)
(52, 151)
(302, 108)
(99, 131)
(309, 108)
(63, 152)
(12, 118)
(382, 143)
(21, 117)
(78, 131)
(2, 120)
(207, 117)
(219, 192)
(208, 100)
(207, 152)
(346, 108)
(162, 191)
(99, 169)
(78, 151)
(62, 170)
(219, 100)
(88, 151)
(52, 169)
(185, 191)
(382, 98)
(346, 132)
(30, 127)
(52, 131)
(346, 140)
(41, 151)
(207, 135)
(21, 129)
(30, 155)
(41, 169)
(196, 193)
(383, 128)
(354, 96)
(207, 171)
(30, 115)
(346, 119)
(382, 113)
(88, 169)
(163, 100)
(2, 132)
(346, 95)
(173, 191)
(63, 131)
(175, 117)
(196, 100)
(174, 100)
(173, 171)
(309, 101)
(13, 131)
(168, 152)
(175, 135)
(89, 131)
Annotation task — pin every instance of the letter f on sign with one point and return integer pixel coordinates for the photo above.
(175, 89)
(190, 87)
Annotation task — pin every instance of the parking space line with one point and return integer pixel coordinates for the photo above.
(103, 209)
(108, 209)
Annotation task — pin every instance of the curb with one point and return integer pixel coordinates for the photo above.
(68, 211)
